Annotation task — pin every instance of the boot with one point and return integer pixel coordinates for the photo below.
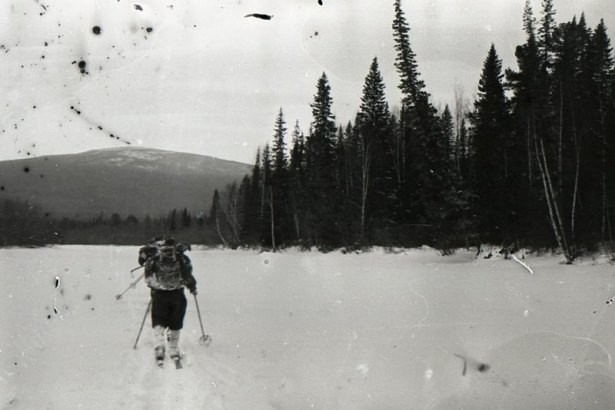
(159, 348)
(174, 343)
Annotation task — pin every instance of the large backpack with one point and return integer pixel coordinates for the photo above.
(156, 248)
(164, 261)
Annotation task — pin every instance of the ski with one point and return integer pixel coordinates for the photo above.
(159, 355)
(178, 362)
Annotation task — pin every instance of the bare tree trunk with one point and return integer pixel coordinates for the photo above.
(529, 154)
(577, 173)
(560, 142)
(296, 223)
(551, 198)
(231, 212)
(603, 225)
(263, 186)
(224, 241)
(575, 194)
(272, 220)
(460, 112)
(365, 167)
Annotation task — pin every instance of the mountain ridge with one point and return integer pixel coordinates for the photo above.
(135, 181)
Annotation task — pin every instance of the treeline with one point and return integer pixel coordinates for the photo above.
(25, 224)
(530, 163)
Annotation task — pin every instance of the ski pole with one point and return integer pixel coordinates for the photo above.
(134, 269)
(205, 339)
(149, 306)
(132, 285)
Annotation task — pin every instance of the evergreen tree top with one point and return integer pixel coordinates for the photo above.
(491, 94)
(374, 107)
(529, 21)
(411, 86)
(323, 124)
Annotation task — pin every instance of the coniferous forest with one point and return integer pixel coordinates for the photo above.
(530, 163)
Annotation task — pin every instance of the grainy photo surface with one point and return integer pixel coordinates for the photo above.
(307, 204)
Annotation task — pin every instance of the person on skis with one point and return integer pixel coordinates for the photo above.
(167, 272)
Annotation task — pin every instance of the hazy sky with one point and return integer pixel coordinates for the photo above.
(198, 76)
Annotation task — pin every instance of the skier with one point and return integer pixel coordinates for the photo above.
(167, 272)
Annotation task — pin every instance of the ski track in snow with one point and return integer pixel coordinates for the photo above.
(192, 387)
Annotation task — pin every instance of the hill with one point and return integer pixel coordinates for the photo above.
(129, 181)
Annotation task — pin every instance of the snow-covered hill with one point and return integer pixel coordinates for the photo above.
(126, 180)
(292, 330)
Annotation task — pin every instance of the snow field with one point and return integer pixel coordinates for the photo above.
(306, 330)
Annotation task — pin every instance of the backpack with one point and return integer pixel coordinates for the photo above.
(161, 246)
(164, 262)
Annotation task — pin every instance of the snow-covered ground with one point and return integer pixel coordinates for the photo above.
(292, 330)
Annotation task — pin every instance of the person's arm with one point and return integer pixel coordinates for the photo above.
(187, 276)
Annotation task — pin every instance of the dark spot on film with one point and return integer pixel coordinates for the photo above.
(96, 30)
(483, 367)
(260, 16)
(81, 65)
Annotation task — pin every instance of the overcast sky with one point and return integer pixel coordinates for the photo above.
(198, 76)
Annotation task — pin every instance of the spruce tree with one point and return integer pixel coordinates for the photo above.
(374, 154)
(252, 216)
(266, 194)
(448, 132)
(529, 21)
(428, 186)
(416, 121)
(490, 137)
(545, 33)
(279, 194)
(323, 193)
(598, 70)
(297, 182)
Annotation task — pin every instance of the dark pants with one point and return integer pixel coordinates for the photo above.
(168, 308)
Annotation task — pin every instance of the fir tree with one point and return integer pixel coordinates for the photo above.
(598, 70)
(411, 86)
(418, 132)
(529, 21)
(297, 181)
(279, 190)
(322, 178)
(280, 158)
(375, 162)
(490, 138)
(266, 194)
(252, 219)
(545, 33)
(448, 132)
